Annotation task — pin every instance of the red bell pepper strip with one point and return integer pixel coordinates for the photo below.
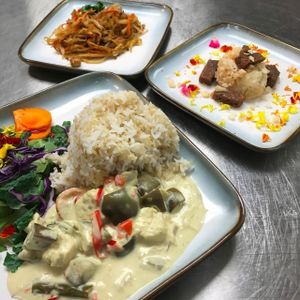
(99, 195)
(126, 226)
(9, 140)
(7, 231)
(112, 243)
(97, 225)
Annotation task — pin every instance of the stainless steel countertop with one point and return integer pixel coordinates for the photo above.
(263, 260)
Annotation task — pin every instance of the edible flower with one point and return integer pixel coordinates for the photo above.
(296, 78)
(209, 107)
(287, 88)
(292, 109)
(224, 106)
(265, 138)
(292, 70)
(222, 123)
(190, 90)
(8, 130)
(263, 52)
(295, 97)
(214, 43)
(260, 119)
(225, 48)
(197, 60)
(4, 149)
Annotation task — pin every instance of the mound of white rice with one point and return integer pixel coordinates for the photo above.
(114, 133)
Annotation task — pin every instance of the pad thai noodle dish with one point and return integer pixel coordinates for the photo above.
(97, 207)
(95, 33)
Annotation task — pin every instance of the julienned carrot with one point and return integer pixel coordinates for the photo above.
(36, 120)
(129, 21)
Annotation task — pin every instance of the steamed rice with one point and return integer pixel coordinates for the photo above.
(114, 133)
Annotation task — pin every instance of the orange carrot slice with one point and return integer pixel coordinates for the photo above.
(34, 119)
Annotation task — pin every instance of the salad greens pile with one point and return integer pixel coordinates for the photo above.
(25, 188)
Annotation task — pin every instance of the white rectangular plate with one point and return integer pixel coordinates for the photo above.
(156, 17)
(225, 209)
(176, 66)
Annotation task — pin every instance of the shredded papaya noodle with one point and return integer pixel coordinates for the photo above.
(93, 36)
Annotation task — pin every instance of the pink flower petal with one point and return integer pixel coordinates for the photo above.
(214, 43)
(185, 90)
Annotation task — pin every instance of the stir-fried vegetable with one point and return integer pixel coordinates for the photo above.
(61, 289)
(120, 205)
(96, 8)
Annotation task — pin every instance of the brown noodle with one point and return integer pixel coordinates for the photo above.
(93, 37)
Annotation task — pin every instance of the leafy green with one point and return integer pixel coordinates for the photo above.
(2, 248)
(44, 166)
(12, 262)
(24, 220)
(58, 138)
(97, 7)
(12, 217)
(28, 184)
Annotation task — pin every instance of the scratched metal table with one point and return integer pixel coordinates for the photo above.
(263, 260)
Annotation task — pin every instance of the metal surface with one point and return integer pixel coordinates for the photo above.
(263, 260)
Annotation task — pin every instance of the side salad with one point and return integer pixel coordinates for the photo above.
(25, 187)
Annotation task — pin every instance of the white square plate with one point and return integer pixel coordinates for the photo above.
(177, 62)
(225, 209)
(156, 17)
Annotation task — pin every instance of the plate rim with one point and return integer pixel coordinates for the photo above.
(203, 119)
(238, 198)
(56, 8)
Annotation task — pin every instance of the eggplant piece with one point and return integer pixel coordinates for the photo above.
(175, 199)
(147, 183)
(130, 177)
(120, 205)
(61, 289)
(127, 248)
(156, 198)
(80, 270)
(39, 238)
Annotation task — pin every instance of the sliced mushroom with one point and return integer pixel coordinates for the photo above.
(175, 199)
(147, 183)
(120, 205)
